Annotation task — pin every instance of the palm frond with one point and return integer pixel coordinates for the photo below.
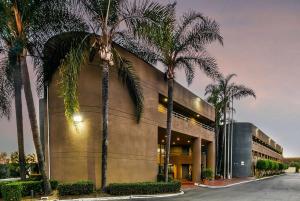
(188, 19)
(200, 35)
(139, 48)
(6, 89)
(204, 62)
(55, 50)
(210, 89)
(241, 91)
(141, 17)
(229, 77)
(68, 82)
(127, 75)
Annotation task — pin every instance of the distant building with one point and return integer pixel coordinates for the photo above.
(249, 145)
(289, 160)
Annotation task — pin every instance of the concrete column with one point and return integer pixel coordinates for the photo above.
(196, 168)
(179, 171)
(211, 156)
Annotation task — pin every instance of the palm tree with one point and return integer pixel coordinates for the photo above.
(178, 45)
(108, 18)
(215, 100)
(221, 93)
(24, 27)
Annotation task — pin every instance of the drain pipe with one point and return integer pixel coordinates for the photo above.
(48, 134)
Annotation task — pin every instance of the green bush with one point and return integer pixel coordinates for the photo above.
(4, 171)
(280, 166)
(276, 166)
(14, 169)
(78, 188)
(35, 177)
(28, 186)
(54, 184)
(2, 184)
(12, 192)
(161, 178)
(261, 165)
(207, 173)
(143, 188)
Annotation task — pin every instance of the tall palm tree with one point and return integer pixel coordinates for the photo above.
(215, 100)
(24, 27)
(220, 93)
(178, 45)
(109, 19)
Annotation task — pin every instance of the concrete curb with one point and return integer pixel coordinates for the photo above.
(128, 197)
(235, 184)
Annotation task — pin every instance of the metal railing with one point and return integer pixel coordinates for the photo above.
(180, 116)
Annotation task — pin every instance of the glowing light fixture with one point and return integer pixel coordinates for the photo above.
(163, 141)
(77, 118)
(198, 115)
(173, 142)
(198, 99)
(188, 141)
(165, 99)
(178, 139)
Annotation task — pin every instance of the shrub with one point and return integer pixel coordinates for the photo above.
(14, 169)
(54, 184)
(28, 186)
(280, 166)
(161, 178)
(143, 188)
(4, 171)
(12, 192)
(35, 177)
(78, 188)
(2, 184)
(275, 166)
(207, 173)
(261, 165)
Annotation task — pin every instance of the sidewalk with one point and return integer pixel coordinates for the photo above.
(225, 183)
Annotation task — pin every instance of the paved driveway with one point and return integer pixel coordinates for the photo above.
(281, 188)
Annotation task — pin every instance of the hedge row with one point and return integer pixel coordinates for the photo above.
(12, 191)
(78, 188)
(26, 187)
(143, 188)
(270, 165)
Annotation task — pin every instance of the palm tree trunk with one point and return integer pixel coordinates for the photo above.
(19, 121)
(33, 123)
(105, 86)
(217, 146)
(169, 127)
(224, 141)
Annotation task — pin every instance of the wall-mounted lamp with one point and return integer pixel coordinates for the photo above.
(198, 99)
(77, 118)
(165, 99)
(198, 115)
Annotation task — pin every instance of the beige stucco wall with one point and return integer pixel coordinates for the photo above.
(75, 152)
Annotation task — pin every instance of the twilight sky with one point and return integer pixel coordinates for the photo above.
(262, 46)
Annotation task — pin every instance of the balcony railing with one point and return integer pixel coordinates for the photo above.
(187, 119)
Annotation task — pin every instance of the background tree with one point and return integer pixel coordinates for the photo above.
(3, 158)
(178, 46)
(11, 84)
(106, 18)
(226, 90)
(24, 28)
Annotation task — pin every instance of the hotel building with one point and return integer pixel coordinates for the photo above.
(135, 150)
